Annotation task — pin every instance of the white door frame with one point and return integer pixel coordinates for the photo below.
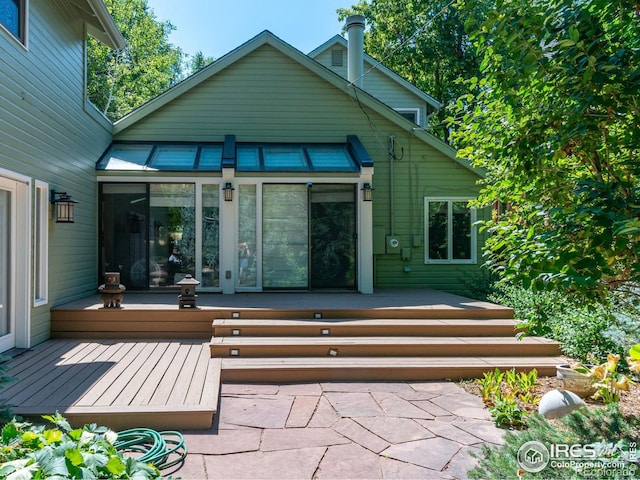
(20, 264)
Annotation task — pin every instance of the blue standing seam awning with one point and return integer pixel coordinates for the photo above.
(243, 157)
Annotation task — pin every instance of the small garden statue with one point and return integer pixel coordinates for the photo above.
(111, 290)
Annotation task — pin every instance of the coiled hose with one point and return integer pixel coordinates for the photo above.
(161, 449)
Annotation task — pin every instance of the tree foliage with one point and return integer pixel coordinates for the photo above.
(120, 81)
(198, 62)
(555, 123)
(425, 42)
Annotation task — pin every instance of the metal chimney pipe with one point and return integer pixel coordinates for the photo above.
(355, 53)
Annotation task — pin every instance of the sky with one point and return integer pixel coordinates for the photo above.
(216, 27)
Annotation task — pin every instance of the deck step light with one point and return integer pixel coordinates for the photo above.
(317, 315)
(333, 352)
(325, 331)
(235, 332)
(64, 207)
(234, 352)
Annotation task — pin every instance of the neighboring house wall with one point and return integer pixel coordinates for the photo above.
(47, 135)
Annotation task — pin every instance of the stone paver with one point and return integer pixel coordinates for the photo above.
(394, 406)
(395, 430)
(354, 404)
(302, 410)
(433, 453)
(360, 435)
(449, 431)
(255, 412)
(223, 442)
(349, 461)
(292, 438)
(386, 430)
(325, 415)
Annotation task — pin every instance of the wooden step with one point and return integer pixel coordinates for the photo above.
(429, 311)
(325, 369)
(350, 327)
(379, 346)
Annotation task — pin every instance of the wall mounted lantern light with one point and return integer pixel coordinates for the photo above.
(228, 192)
(64, 207)
(367, 192)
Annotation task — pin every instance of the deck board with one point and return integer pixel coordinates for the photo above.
(122, 384)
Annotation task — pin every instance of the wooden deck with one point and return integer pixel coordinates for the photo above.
(122, 384)
(150, 364)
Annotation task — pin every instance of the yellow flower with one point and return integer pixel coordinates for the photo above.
(612, 362)
(622, 384)
(634, 364)
(600, 372)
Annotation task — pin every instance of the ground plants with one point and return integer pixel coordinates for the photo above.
(509, 396)
(607, 380)
(586, 332)
(612, 436)
(29, 451)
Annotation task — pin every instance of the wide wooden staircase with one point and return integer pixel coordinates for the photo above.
(151, 364)
(297, 345)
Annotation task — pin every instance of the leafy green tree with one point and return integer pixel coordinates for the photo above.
(425, 42)
(198, 62)
(120, 81)
(555, 122)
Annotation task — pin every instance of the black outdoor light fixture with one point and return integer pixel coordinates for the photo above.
(367, 192)
(228, 192)
(64, 207)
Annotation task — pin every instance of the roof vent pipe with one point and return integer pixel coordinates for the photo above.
(355, 54)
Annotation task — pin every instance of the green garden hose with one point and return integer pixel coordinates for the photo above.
(161, 449)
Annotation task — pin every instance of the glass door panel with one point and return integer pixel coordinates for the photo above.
(210, 276)
(6, 280)
(285, 236)
(333, 236)
(124, 233)
(247, 236)
(172, 240)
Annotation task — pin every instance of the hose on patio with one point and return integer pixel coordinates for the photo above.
(161, 449)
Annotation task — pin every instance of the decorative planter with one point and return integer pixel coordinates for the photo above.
(578, 383)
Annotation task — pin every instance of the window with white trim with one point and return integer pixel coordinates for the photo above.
(411, 114)
(13, 18)
(41, 244)
(450, 233)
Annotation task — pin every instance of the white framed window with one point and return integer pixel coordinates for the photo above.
(450, 233)
(41, 244)
(411, 114)
(13, 18)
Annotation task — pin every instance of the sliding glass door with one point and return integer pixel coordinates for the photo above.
(308, 236)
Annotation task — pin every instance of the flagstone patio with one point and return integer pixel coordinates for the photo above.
(415, 430)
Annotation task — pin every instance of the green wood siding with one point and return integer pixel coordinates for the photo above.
(378, 84)
(268, 97)
(47, 135)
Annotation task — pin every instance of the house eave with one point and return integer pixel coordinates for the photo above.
(100, 23)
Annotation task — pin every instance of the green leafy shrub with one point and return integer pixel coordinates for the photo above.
(586, 332)
(30, 451)
(613, 436)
